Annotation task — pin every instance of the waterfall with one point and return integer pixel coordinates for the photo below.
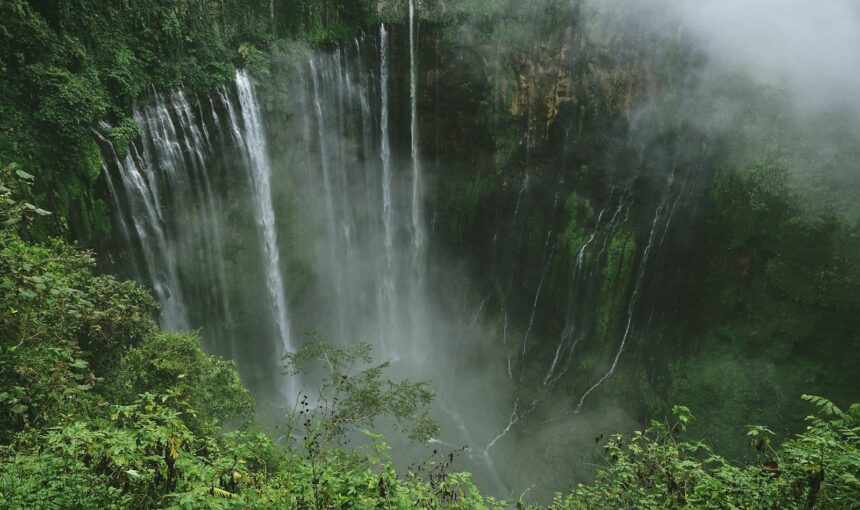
(509, 364)
(260, 169)
(203, 201)
(418, 234)
(538, 293)
(569, 326)
(523, 188)
(631, 307)
(584, 283)
(365, 264)
(117, 203)
(325, 158)
(197, 143)
(514, 418)
(388, 285)
(158, 156)
(177, 209)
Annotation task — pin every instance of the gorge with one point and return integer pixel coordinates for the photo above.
(564, 216)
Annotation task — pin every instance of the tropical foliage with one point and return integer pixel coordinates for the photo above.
(101, 410)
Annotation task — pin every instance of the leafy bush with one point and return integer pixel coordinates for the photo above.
(208, 387)
(655, 470)
(58, 321)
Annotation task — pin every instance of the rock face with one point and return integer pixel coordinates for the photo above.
(543, 84)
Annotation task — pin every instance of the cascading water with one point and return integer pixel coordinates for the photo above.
(551, 250)
(175, 209)
(388, 284)
(368, 258)
(418, 233)
(631, 308)
(125, 232)
(222, 210)
(260, 169)
(569, 325)
(582, 292)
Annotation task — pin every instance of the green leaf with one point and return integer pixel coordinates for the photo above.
(24, 175)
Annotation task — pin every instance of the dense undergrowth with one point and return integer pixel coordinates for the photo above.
(99, 409)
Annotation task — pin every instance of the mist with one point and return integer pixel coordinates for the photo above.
(811, 49)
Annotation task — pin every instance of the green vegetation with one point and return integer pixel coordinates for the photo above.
(654, 469)
(580, 216)
(617, 278)
(779, 302)
(462, 201)
(101, 410)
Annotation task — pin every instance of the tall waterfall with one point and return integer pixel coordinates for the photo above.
(419, 236)
(366, 259)
(260, 169)
(255, 214)
(218, 261)
(175, 208)
(388, 303)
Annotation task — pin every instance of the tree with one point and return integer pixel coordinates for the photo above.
(353, 392)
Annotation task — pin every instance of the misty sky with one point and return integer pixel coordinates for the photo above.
(809, 47)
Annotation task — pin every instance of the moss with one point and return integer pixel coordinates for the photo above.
(258, 62)
(122, 134)
(85, 222)
(576, 234)
(616, 278)
(461, 201)
(91, 166)
(507, 145)
(102, 228)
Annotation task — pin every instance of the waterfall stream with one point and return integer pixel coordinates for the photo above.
(388, 289)
(251, 226)
(260, 169)
(418, 233)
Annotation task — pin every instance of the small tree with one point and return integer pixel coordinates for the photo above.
(353, 393)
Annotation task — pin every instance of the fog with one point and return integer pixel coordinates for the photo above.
(811, 49)
(777, 79)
